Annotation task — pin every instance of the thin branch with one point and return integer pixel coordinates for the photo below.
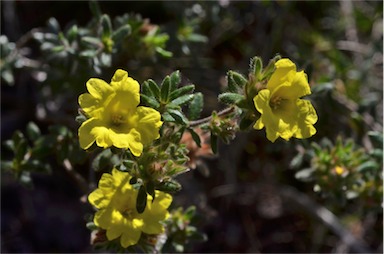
(207, 119)
(81, 182)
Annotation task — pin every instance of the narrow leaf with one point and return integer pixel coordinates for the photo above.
(154, 88)
(149, 101)
(183, 99)
(175, 80)
(196, 106)
(214, 143)
(195, 137)
(165, 90)
(230, 98)
(141, 201)
(121, 33)
(181, 91)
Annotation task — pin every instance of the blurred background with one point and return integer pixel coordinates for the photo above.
(249, 198)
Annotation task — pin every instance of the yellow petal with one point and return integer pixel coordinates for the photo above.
(307, 118)
(98, 199)
(130, 87)
(261, 101)
(155, 212)
(98, 88)
(102, 135)
(131, 140)
(298, 88)
(285, 72)
(86, 138)
(130, 237)
(149, 124)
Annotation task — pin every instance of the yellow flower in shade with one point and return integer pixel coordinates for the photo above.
(115, 200)
(114, 116)
(283, 113)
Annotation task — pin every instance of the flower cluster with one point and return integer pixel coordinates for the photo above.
(133, 199)
(115, 119)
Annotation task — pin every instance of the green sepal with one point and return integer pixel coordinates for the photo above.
(165, 90)
(195, 106)
(239, 79)
(270, 68)
(182, 91)
(256, 67)
(169, 186)
(141, 201)
(231, 98)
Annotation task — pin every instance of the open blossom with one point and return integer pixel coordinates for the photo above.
(283, 113)
(115, 119)
(115, 199)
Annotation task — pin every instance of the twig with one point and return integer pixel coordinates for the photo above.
(81, 182)
(208, 118)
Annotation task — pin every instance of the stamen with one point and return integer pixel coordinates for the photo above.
(117, 119)
(275, 102)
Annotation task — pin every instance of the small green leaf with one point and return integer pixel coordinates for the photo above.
(167, 117)
(151, 190)
(120, 34)
(175, 80)
(182, 100)
(33, 131)
(245, 123)
(95, 9)
(91, 40)
(230, 98)
(106, 26)
(141, 201)
(72, 33)
(149, 101)
(195, 137)
(163, 52)
(182, 91)
(154, 88)
(53, 25)
(195, 106)
(305, 175)
(165, 90)
(178, 116)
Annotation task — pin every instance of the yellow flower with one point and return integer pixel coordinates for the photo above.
(283, 113)
(114, 116)
(116, 200)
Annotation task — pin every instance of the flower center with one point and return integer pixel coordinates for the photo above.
(275, 102)
(127, 213)
(118, 119)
